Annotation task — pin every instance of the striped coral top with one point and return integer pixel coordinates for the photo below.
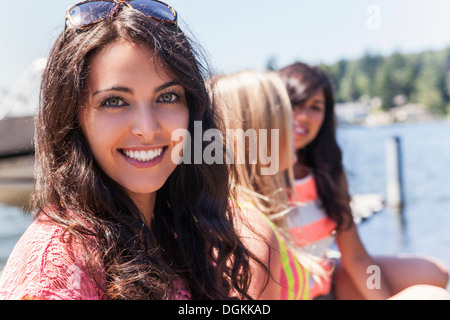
(294, 277)
(311, 229)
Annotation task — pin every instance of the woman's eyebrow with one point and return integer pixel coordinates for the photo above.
(167, 85)
(319, 101)
(130, 91)
(116, 88)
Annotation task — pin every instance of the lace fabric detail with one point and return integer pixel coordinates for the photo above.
(43, 266)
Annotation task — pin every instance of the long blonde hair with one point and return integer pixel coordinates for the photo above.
(259, 101)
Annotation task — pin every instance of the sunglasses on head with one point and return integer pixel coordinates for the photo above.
(88, 13)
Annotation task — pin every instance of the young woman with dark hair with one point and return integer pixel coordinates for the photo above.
(116, 217)
(324, 213)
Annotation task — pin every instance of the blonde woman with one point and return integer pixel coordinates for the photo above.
(257, 114)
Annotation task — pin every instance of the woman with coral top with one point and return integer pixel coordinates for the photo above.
(324, 214)
(116, 216)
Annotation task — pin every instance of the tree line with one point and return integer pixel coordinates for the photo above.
(416, 78)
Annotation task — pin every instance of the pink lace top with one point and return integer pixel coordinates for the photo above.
(44, 267)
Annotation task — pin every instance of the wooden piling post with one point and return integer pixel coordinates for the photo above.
(394, 166)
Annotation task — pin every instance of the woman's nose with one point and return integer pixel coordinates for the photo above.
(301, 114)
(145, 123)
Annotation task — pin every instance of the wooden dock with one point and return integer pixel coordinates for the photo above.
(365, 205)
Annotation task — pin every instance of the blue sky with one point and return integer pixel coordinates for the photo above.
(243, 34)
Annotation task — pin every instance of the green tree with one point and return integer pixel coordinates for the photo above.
(368, 66)
(422, 78)
(336, 72)
(382, 87)
(431, 82)
(394, 77)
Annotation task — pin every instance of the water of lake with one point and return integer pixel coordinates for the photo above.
(423, 226)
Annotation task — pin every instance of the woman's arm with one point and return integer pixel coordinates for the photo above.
(259, 238)
(356, 261)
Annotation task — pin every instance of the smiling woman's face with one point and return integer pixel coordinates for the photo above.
(308, 119)
(132, 108)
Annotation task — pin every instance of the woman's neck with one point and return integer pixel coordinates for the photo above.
(301, 171)
(146, 204)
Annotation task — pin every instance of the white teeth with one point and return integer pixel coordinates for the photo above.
(143, 156)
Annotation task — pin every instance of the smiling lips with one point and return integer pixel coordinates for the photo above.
(301, 131)
(143, 155)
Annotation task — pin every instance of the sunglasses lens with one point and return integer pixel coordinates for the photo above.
(89, 12)
(154, 9)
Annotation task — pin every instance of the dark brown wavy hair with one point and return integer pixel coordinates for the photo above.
(323, 154)
(192, 235)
